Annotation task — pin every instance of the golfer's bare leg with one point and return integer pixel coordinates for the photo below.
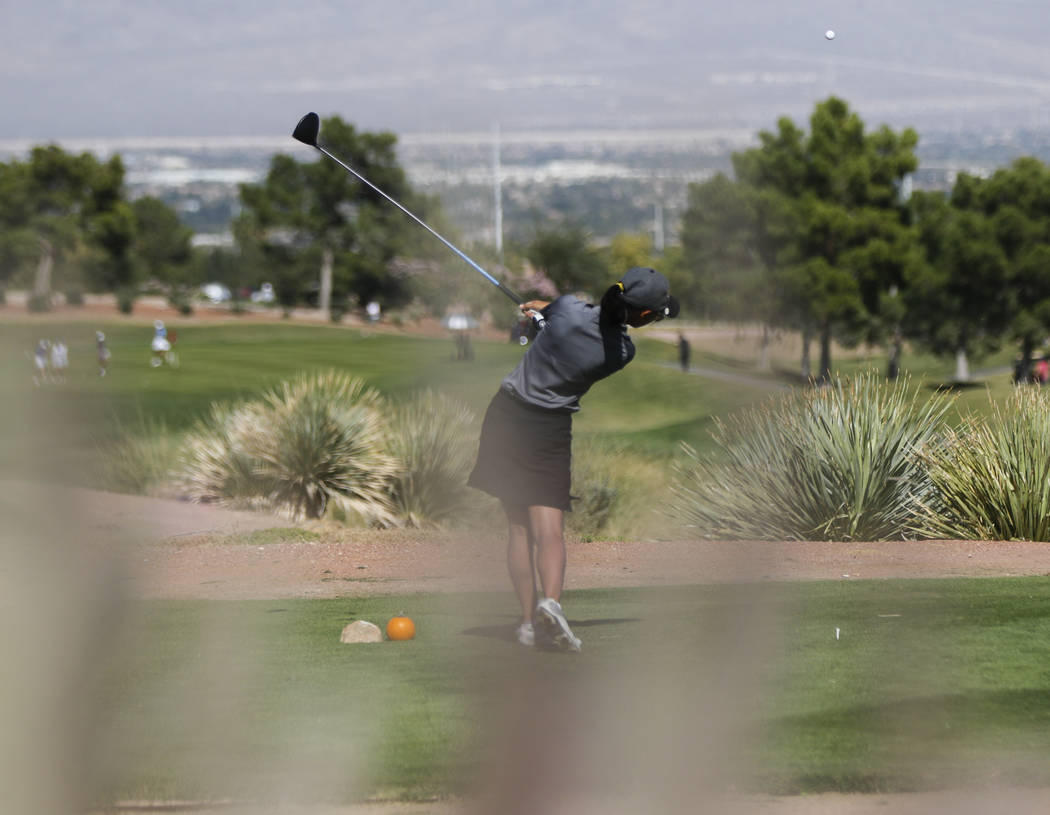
(520, 563)
(548, 533)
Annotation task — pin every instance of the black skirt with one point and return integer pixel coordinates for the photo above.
(525, 454)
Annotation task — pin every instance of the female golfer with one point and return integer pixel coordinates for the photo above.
(524, 457)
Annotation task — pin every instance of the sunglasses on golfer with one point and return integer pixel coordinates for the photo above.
(648, 315)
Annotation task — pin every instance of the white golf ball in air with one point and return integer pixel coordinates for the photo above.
(829, 34)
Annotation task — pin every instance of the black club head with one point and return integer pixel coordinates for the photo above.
(307, 129)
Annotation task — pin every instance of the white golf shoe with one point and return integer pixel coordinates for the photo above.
(526, 634)
(553, 628)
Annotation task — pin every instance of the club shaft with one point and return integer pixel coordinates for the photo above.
(423, 224)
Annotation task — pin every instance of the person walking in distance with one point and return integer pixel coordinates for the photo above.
(683, 351)
(524, 455)
(59, 360)
(159, 345)
(102, 353)
(41, 359)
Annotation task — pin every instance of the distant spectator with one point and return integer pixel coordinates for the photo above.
(102, 353)
(40, 363)
(460, 326)
(373, 311)
(160, 344)
(59, 360)
(1042, 370)
(683, 351)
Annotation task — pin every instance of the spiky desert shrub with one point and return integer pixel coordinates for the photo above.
(833, 463)
(323, 442)
(434, 440)
(216, 463)
(991, 479)
(305, 445)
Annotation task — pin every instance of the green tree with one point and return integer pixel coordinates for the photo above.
(771, 180)
(18, 243)
(728, 255)
(832, 225)
(563, 252)
(629, 249)
(1016, 202)
(716, 237)
(958, 301)
(56, 208)
(162, 246)
(318, 214)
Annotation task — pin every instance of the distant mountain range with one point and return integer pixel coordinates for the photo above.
(115, 69)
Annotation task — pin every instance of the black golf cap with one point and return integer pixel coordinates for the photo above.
(646, 288)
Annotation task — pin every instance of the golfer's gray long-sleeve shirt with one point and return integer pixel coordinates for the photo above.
(568, 356)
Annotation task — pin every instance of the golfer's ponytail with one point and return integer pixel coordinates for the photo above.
(613, 308)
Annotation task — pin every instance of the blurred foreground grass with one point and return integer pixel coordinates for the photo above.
(925, 684)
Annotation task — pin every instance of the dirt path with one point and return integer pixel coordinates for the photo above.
(188, 550)
(979, 802)
(343, 564)
(179, 549)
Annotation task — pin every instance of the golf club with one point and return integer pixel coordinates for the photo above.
(307, 131)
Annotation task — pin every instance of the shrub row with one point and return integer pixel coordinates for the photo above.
(864, 459)
(325, 444)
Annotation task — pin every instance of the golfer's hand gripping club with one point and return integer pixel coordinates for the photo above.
(533, 309)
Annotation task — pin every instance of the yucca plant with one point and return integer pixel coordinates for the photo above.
(991, 478)
(434, 439)
(216, 463)
(324, 442)
(305, 445)
(832, 463)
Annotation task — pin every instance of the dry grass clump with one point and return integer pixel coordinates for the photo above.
(620, 493)
(434, 439)
(141, 460)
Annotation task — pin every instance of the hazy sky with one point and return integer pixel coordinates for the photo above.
(176, 68)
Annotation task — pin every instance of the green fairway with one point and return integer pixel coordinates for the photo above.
(928, 683)
(650, 405)
(62, 426)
